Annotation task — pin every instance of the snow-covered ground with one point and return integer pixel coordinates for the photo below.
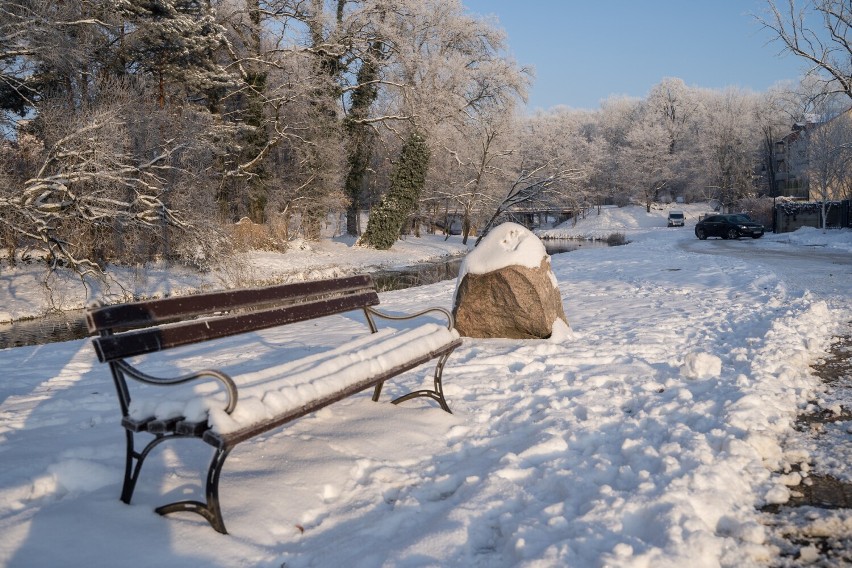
(630, 221)
(647, 436)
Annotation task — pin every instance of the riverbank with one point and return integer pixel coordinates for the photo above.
(29, 291)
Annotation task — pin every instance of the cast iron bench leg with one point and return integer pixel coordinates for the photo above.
(437, 394)
(131, 469)
(209, 510)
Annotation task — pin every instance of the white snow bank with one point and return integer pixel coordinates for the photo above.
(822, 238)
(23, 294)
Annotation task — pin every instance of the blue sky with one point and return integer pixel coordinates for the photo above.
(586, 50)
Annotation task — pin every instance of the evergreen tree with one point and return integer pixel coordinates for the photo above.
(406, 184)
(175, 41)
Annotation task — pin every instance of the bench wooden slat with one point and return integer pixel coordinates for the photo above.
(155, 312)
(132, 343)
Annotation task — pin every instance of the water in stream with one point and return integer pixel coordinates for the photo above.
(70, 325)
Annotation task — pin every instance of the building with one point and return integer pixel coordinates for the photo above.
(814, 161)
(791, 156)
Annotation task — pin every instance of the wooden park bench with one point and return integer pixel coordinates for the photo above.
(247, 405)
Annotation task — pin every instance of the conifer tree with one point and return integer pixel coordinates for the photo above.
(175, 41)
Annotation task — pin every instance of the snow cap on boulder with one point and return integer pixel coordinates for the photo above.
(506, 245)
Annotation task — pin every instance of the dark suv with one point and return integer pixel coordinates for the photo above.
(728, 227)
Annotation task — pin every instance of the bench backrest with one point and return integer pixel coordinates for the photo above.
(137, 328)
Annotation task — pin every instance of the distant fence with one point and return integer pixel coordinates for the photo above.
(790, 216)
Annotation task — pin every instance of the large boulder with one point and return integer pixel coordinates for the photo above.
(506, 288)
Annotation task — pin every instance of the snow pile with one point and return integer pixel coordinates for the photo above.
(288, 386)
(808, 236)
(701, 366)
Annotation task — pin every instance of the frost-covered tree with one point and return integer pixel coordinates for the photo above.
(449, 77)
(773, 119)
(535, 187)
(175, 41)
(646, 160)
(530, 163)
(360, 133)
(474, 167)
(95, 197)
(557, 145)
(617, 116)
(50, 48)
(359, 119)
(674, 106)
(730, 144)
(249, 109)
(106, 183)
(279, 134)
(678, 109)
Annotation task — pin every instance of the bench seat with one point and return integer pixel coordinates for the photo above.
(287, 388)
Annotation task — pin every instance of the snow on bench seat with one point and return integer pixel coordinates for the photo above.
(290, 386)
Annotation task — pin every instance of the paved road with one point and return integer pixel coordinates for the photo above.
(826, 272)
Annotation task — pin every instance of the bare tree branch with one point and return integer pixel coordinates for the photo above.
(532, 186)
(829, 50)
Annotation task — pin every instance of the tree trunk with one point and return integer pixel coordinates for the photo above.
(465, 227)
(258, 192)
(358, 162)
(360, 136)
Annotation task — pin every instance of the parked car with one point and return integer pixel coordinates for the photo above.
(676, 218)
(731, 226)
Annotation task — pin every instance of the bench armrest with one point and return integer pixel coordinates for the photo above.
(223, 378)
(370, 311)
